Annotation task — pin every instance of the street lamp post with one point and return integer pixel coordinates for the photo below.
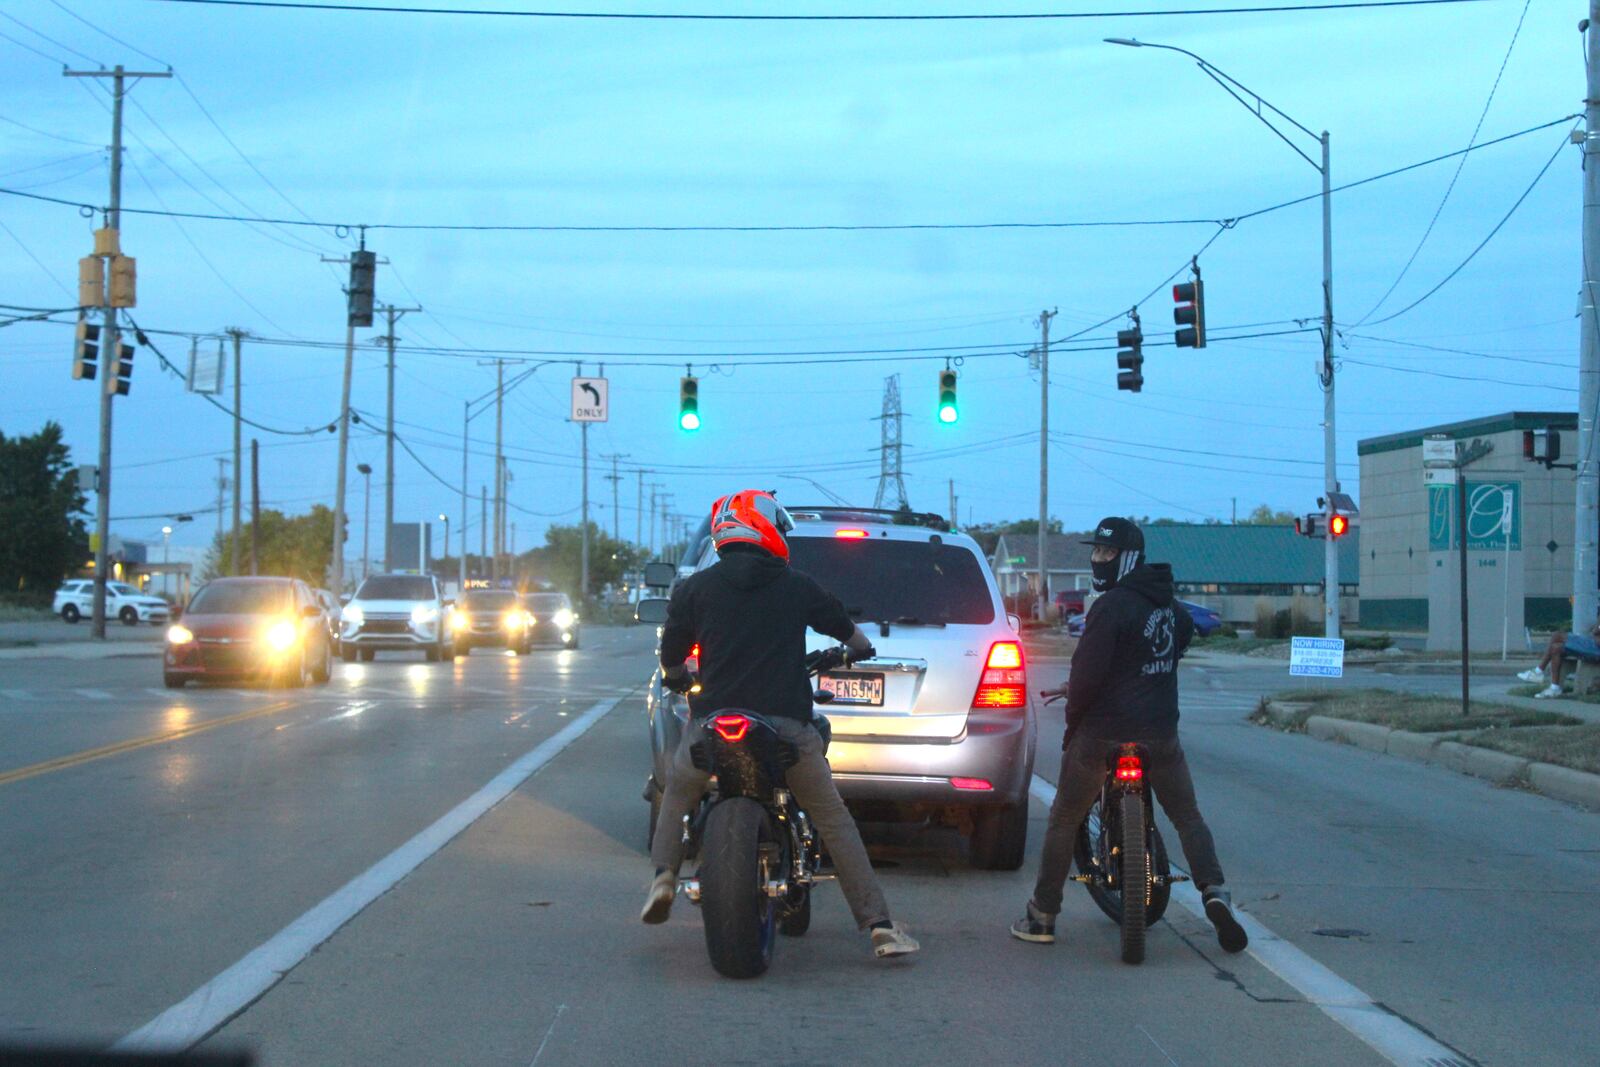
(365, 470)
(446, 520)
(1257, 106)
(166, 540)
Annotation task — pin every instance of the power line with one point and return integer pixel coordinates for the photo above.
(1456, 377)
(634, 16)
(47, 133)
(1462, 351)
(52, 40)
(110, 37)
(29, 47)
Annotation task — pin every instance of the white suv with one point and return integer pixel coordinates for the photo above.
(396, 612)
(75, 600)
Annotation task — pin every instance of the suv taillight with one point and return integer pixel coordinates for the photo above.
(1004, 683)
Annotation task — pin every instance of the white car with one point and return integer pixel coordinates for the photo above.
(396, 612)
(75, 600)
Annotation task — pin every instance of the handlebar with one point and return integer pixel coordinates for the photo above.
(826, 659)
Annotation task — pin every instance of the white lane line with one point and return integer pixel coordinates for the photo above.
(93, 694)
(192, 1019)
(1384, 1032)
(16, 694)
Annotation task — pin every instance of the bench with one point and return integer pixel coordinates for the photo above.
(1587, 678)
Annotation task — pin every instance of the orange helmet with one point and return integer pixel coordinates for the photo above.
(751, 517)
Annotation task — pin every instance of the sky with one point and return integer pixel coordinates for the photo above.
(400, 120)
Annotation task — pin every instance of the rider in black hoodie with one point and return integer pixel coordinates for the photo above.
(1124, 687)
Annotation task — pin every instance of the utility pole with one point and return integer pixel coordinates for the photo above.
(466, 413)
(953, 523)
(483, 524)
(352, 313)
(1330, 442)
(238, 414)
(652, 526)
(499, 466)
(1044, 461)
(255, 507)
(615, 479)
(108, 344)
(392, 314)
(222, 488)
(1585, 551)
(638, 531)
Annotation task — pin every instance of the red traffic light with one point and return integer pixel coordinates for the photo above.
(1338, 525)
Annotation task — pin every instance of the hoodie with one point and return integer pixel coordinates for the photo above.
(1124, 680)
(749, 613)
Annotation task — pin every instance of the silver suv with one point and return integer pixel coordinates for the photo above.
(396, 612)
(938, 726)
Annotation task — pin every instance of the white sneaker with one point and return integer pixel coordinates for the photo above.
(1551, 690)
(893, 941)
(1532, 674)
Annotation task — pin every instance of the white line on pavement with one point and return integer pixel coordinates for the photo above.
(1386, 1033)
(192, 1019)
(93, 694)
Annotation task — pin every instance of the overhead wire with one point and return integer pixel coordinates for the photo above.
(111, 37)
(47, 133)
(52, 40)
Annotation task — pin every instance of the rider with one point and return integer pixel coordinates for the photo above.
(749, 613)
(1124, 687)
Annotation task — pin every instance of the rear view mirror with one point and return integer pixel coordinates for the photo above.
(660, 575)
(822, 696)
(651, 610)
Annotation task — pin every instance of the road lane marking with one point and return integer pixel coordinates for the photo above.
(208, 1008)
(61, 763)
(1380, 1029)
(16, 694)
(93, 694)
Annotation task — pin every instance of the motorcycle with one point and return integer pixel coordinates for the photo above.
(1120, 856)
(759, 855)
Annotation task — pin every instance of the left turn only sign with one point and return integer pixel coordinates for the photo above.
(591, 400)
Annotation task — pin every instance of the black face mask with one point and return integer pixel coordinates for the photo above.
(1107, 573)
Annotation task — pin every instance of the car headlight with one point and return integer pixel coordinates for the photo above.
(459, 620)
(515, 620)
(353, 615)
(563, 618)
(179, 635)
(424, 614)
(282, 635)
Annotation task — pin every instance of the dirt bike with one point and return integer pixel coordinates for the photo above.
(1119, 852)
(759, 855)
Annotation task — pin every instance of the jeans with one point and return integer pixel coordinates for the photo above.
(811, 782)
(1083, 771)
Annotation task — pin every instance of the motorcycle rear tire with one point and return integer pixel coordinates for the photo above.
(1109, 901)
(740, 919)
(798, 921)
(1135, 879)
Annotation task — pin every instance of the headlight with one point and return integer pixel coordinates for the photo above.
(459, 620)
(353, 615)
(179, 635)
(282, 635)
(515, 620)
(563, 618)
(423, 614)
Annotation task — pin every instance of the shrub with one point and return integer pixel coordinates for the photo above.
(1305, 618)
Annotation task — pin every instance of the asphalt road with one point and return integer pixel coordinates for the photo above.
(159, 845)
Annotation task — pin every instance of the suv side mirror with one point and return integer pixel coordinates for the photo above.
(1015, 622)
(658, 574)
(653, 609)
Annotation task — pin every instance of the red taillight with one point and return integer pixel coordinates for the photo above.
(731, 728)
(693, 661)
(850, 535)
(975, 784)
(1005, 680)
(1129, 769)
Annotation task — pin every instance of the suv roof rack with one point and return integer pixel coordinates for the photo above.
(892, 516)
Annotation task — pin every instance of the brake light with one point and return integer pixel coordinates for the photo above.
(1004, 683)
(1129, 769)
(850, 535)
(693, 660)
(731, 728)
(973, 784)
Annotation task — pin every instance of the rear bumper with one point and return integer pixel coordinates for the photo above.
(996, 750)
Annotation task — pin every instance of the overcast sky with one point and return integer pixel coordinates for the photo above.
(416, 119)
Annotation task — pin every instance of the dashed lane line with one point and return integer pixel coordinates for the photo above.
(208, 1008)
(1380, 1029)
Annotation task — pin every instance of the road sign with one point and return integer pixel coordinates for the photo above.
(1318, 657)
(590, 400)
(1438, 452)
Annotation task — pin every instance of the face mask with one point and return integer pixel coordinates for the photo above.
(1105, 575)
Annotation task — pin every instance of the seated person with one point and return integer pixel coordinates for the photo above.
(1562, 646)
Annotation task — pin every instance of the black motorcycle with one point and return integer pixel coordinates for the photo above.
(759, 856)
(1119, 853)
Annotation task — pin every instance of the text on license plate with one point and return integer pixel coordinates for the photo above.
(853, 688)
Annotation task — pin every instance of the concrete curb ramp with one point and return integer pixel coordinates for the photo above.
(1561, 783)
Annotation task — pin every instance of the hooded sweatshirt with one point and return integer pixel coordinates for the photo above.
(1124, 680)
(749, 613)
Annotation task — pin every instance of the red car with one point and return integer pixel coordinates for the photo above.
(266, 629)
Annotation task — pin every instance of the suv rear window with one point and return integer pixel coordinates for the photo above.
(879, 579)
(395, 587)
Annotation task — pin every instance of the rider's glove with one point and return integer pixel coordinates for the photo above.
(678, 679)
(852, 655)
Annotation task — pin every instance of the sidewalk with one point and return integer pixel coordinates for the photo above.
(54, 639)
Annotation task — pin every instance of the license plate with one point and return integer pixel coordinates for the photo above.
(859, 689)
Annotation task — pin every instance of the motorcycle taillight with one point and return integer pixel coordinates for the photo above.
(731, 728)
(1129, 769)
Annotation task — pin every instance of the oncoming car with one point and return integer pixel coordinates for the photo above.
(938, 726)
(552, 620)
(489, 618)
(396, 612)
(264, 629)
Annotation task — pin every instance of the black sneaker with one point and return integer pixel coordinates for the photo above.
(1035, 926)
(1219, 909)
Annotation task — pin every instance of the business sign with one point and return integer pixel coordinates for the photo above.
(1494, 517)
(1317, 657)
(590, 400)
(1438, 452)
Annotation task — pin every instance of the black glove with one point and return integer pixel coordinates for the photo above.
(681, 682)
(851, 656)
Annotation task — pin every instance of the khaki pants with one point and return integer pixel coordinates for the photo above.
(811, 782)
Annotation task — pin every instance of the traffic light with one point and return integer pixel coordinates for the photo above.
(1309, 525)
(689, 403)
(1338, 525)
(363, 275)
(121, 369)
(1130, 357)
(948, 412)
(344, 528)
(1191, 312)
(85, 351)
(124, 279)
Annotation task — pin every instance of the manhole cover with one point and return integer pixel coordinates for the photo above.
(1339, 931)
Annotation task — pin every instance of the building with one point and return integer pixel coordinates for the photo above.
(1519, 534)
(1016, 566)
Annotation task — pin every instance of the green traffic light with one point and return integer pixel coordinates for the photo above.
(689, 420)
(948, 413)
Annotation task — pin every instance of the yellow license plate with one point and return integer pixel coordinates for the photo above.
(859, 689)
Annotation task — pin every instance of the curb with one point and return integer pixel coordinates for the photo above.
(76, 651)
(1501, 768)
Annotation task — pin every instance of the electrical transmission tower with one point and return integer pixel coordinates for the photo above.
(890, 480)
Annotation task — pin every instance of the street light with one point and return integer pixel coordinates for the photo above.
(365, 470)
(1253, 102)
(446, 520)
(166, 538)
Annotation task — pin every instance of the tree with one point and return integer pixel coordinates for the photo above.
(560, 560)
(1263, 515)
(292, 546)
(41, 513)
(988, 534)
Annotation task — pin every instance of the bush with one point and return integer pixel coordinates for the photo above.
(1370, 643)
(1305, 618)
(1266, 620)
(1227, 629)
